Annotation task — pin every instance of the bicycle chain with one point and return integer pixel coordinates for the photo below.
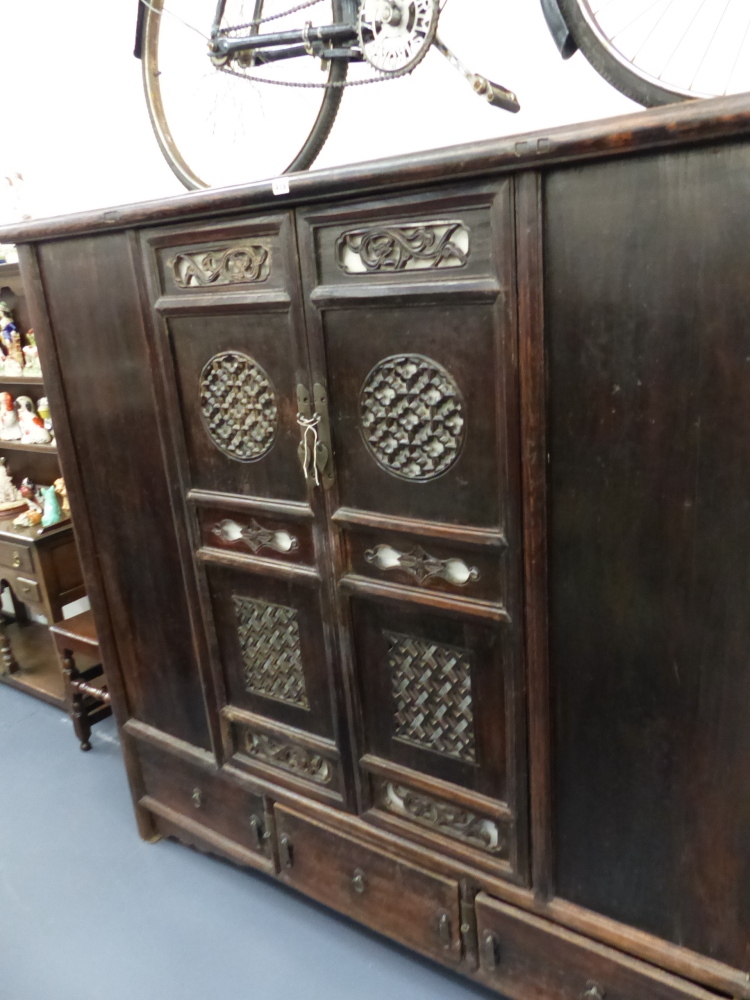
(330, 85)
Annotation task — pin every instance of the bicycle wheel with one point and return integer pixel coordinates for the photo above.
(660, 51)
(216, 128)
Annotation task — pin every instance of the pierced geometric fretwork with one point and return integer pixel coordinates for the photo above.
(238, 405)
(412, 417)
(269, 640)
(431, 686)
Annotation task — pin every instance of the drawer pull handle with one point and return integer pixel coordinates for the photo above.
(257, 834)
(593, 991)
(197, 798)
(421, 566)
(16, 560)
(490, 951)
(358, 880)
(286, 853)
(444, 930)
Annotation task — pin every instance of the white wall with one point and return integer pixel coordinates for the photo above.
(75, 123)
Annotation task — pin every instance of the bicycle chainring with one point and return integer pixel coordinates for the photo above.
(394, 35)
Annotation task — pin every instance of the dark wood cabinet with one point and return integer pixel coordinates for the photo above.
(414, 510)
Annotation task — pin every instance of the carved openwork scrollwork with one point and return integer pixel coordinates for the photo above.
(416, 246)
(238, 405)
(255, 536)
(233, 265)
(421, 565)
(297, 759)
(431, 687)
(462, 824)
(412, 417)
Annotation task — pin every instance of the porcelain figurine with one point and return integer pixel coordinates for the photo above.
(11, 342)
(28, 519)
(10, 497)
(31, 365)
(62, 492)
(51, 513)
(33, 430)
(42, 408)
(10, 429)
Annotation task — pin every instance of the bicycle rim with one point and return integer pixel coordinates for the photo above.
(215, 129)
(659, 51)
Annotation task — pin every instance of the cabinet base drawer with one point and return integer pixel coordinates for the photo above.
(207, 805)
(410, 904)
(525, 956)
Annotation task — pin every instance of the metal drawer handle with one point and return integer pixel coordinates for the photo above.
(593, 991)
(444, 930)
(490, 951)
(16, 560)
(358, 880)
(286, 851)
(421, 565)
(197, 798)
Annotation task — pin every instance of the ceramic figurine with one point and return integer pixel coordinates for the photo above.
(10, 497)
(62, 492)
(31, 356)
(33, 515)
(28, 519)
(51, 513)
(33, 430)
(10, 429)
(42, 408)
(11, 341)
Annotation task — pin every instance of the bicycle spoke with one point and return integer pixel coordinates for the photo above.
(737, 58)
(710, 43)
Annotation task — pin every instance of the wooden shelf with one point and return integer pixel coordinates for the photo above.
(40, 674)
(20, 446)
(21, 379)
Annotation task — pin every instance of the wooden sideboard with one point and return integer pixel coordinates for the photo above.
(414, 506)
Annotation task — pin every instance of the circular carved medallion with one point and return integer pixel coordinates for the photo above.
(412, 417)
(238, 405)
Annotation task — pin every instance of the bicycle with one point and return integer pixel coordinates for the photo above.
(261, 44)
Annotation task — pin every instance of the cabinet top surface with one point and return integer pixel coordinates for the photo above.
(675, 125)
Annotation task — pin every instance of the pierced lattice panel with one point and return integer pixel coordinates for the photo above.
(270, 644)
(431, 686)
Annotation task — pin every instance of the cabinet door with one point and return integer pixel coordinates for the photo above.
(411, 320)
(231, 339)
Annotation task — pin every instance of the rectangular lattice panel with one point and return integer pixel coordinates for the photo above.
(431, 686)
(270, 644)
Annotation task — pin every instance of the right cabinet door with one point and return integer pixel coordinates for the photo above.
(411, 315)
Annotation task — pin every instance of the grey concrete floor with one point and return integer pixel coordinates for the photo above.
(88, 911)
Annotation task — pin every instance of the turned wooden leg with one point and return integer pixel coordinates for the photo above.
(75, 698)
(7, 659)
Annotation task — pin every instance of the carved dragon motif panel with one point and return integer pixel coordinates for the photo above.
(227, 265)
(415, 246)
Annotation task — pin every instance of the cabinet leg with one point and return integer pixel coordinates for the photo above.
(7, 659)
(74, 698)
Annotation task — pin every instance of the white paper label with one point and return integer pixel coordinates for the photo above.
(280, 185)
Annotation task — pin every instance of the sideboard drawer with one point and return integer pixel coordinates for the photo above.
(27, 590)
(206, 798)
(16, 557)
(414, 906)
(522, 955)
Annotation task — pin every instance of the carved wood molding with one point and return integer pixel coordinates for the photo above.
(290, 757)
(229, 265)
(443, 817)
(413, 246)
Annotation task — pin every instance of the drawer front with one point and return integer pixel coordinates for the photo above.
(526, 956)
(26, 590)
(16, 557)
(397, 899)
(206, 797)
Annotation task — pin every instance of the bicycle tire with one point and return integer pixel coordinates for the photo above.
(310, 148)
(612, 66)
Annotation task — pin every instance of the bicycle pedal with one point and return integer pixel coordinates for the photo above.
(497, 96)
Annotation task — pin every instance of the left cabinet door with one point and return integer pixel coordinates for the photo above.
(232, 355)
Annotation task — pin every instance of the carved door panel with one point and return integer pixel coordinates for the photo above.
(412, 323)
(233, 350)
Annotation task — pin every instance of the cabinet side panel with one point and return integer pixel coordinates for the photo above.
(648, 344)
(105, 367)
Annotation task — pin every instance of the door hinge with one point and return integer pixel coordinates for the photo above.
(468, 928)
(315, 452)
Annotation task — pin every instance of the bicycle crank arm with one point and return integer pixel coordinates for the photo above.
(497, 96)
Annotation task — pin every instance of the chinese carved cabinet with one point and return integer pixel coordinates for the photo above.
(415, 511)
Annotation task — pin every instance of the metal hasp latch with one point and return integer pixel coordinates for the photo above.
(315, 453)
